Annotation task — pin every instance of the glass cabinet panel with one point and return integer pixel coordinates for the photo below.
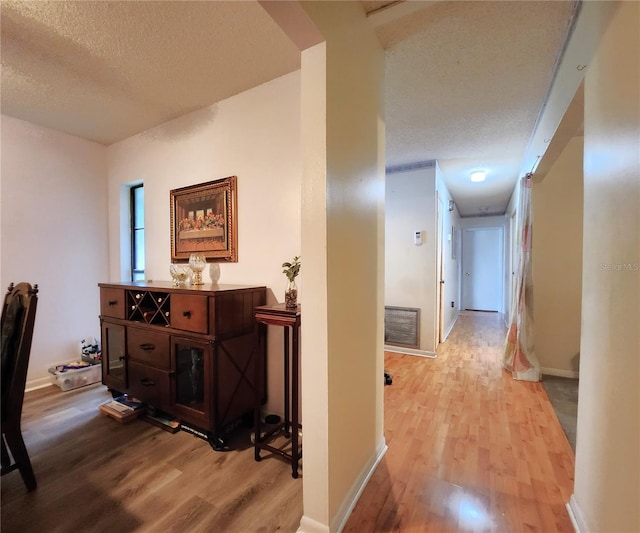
(113, 336)
(192, 376)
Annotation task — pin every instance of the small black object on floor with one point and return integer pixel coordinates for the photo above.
(387, 378)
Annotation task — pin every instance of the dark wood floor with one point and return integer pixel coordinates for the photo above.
(469, 450)
(95, 474)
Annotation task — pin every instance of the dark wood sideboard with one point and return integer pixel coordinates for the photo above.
(188, 351)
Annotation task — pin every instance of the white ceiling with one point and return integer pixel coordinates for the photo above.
(466, 81)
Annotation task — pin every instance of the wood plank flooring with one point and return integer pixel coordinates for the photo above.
(95, 474)
(470, 449)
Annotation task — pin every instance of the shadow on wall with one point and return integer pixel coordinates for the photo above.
(575, 362)
(182, 127)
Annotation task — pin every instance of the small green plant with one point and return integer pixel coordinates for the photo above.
(291, 270)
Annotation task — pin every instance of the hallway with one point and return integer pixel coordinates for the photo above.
(470, 449)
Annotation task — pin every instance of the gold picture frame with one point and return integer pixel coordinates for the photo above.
(203, 219)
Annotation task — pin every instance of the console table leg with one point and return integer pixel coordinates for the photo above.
(287, 417)
(295, 421)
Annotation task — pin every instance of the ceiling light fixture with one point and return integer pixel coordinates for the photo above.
(478, 176)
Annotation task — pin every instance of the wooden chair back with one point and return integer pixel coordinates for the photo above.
(18, 319)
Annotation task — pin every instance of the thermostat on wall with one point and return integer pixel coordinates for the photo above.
(417, 237)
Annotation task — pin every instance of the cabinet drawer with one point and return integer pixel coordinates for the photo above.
(190, 312)
(151, 385)
(149, 347)
(112, 302)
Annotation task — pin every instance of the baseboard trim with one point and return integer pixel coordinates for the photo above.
(446, 335)
(309, 525)
(576, 515)
(558, 372)
(35, 384)
(409, 351)
(349, 503)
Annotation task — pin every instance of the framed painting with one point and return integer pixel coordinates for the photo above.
(203, 219)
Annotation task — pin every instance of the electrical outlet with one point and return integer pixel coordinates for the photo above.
(452, 304)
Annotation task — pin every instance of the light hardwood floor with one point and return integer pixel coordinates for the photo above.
(469, 450)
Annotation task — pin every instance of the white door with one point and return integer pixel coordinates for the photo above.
(482, 269)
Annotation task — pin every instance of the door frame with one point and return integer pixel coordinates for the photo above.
(439, 270)
(501, 264)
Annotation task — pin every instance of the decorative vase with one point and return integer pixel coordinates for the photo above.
(180, 274)
(291, 295)
(197, 262)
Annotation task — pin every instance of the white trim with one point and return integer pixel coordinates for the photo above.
(343, 514)
(576, 515)
(446, 335)
(559, 372)
(39, 383)
(409, 351)
(309, 525)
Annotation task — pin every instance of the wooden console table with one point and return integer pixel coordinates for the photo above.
(289, 319)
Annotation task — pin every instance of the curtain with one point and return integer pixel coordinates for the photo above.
(519, 355)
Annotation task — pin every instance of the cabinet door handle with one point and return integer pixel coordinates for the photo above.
(113, 302)
(187, 314)
(147, 347)
(122, 358)
(147, 382)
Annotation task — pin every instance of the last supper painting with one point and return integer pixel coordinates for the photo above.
(203, 220)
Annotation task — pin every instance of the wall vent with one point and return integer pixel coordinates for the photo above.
(402, 326)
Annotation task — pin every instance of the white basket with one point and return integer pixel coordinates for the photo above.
(76, 377)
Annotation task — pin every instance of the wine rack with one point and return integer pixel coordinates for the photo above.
(150, 307)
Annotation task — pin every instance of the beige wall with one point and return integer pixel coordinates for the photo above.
(607, 481)
(342, 195)
(315, 363)
(410, 270)
(255, 136)
(54, 229)
(557, 263)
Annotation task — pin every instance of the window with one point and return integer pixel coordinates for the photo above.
(137, 233)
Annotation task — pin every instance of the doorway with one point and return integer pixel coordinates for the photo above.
(482, 287)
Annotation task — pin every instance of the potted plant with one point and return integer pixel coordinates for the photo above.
(291, 270)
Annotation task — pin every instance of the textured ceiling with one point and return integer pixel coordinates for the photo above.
(107, 70)
(465, 80)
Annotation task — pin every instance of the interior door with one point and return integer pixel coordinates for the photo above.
(513, 260)
(482, 269)
(440, 273)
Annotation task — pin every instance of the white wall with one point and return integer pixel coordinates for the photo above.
(557, 262)
(54, 228)
(410, 270)
(607, 478)
(254, 136)
(343, 195)
(452, 237)
(500, 222)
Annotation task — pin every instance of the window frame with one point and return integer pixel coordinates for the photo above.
(132, 212)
